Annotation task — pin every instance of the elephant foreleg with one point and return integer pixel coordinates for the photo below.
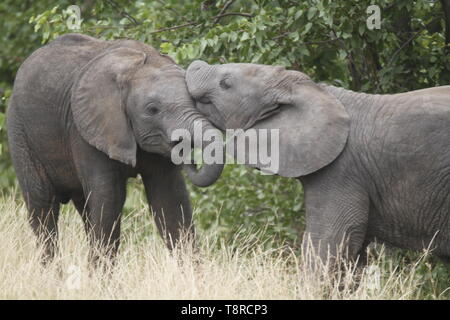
(43, 217)
(102, 218)
(167, 195)
(336, 219)
(104, 191)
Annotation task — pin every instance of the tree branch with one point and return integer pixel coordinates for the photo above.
(307, 42)
(224, 9)
(242, 14)
(356, 78)
(194, 23)
(394, 56)
(446, 8)
(170, 8)
(123, 12)
(411, 38)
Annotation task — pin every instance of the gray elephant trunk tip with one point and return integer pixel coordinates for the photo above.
(205, 176)
(208, 173)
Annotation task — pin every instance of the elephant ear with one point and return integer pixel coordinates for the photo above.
(313, 128)
(98, 103)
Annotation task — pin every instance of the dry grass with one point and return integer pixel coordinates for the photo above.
(146, 270)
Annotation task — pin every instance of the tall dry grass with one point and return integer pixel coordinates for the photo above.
(146, 270)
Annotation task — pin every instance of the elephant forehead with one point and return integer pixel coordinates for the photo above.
(155, 72)
(244, 69)
(258, 72)
(161, 91)
(156, 77)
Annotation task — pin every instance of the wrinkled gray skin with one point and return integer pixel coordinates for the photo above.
(85, 115)
(372, 166)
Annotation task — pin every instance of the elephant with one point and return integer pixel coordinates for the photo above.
(373, 167)
(87, 114)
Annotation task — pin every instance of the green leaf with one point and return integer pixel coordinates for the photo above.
(307, 28)
(361, 29)
(311, 12)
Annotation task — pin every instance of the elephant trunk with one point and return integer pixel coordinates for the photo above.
(207, 174)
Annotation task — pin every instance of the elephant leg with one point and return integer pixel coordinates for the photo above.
(336, 219)
(43, 206)
(168, 198)
(104, 190)
(43, 218)
(102, 217)
(79, 201)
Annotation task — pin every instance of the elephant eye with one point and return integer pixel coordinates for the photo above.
(152, 110)
(225, 83)
(204, 100)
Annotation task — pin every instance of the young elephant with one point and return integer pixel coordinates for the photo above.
(84, 116)
(372, 166)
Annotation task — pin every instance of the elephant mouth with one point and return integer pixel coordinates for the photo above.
(158, 142)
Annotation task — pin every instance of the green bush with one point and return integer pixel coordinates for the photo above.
(243, 200)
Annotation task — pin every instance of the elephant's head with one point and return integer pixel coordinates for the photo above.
(313, 125)
(127, 98)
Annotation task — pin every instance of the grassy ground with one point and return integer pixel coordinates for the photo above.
(243, 269)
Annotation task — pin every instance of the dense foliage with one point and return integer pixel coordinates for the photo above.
(328, 40)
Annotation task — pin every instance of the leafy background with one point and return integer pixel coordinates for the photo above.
(328, 40)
